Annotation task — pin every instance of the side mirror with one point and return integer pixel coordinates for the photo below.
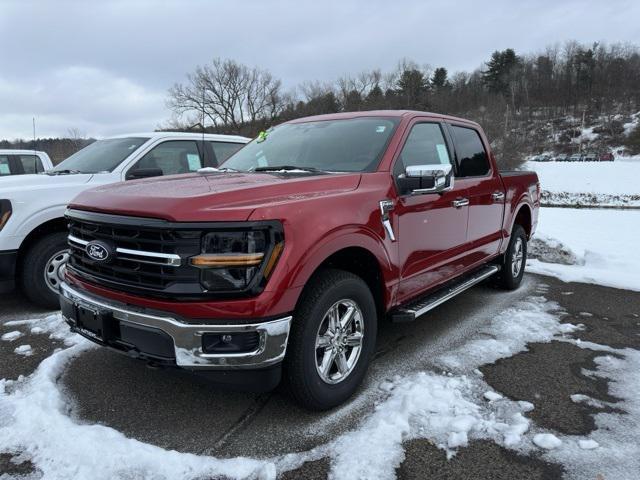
(143, 173)
(419, 179)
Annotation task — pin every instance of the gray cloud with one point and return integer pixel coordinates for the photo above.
(104, 67)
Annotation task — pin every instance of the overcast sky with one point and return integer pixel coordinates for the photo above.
(104, 67)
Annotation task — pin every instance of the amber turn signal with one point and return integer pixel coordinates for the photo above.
(212, 260)
(277, 250)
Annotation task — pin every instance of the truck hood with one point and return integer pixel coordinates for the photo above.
(19, 183)
(210, 197)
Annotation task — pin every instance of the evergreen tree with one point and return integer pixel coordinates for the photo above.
(439, 79)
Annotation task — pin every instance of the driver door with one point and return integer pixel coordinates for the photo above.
(432, 226)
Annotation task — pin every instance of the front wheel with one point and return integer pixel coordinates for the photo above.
(514, 260)
(332, 340)
(42, 269)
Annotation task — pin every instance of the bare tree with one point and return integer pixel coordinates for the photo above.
(228, 93)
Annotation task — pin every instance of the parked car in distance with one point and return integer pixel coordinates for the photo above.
(590, 157)
(576, 157)
(561, 158)
(295, 249)
(606, 157)
(22, 162)
(542, 158)
(33, 239)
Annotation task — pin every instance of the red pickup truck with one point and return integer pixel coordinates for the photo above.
(283, 261)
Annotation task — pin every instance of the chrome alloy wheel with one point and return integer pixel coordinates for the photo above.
(54, 270)
(339, 341)
(517, 258)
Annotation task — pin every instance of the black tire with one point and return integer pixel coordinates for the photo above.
(507, 278)
(36, 258)
(326, 289)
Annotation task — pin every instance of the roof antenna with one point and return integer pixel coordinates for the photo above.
(35, 154)
(202, 118)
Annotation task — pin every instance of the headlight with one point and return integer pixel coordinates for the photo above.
(5, 212)
(239, 259)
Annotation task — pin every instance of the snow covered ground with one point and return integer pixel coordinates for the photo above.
(611, 184)
(601, 244)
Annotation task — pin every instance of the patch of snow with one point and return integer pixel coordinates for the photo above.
(492, 396)
(603, 254)
(588, 444)
(587, 400)
(11, 336)
(547, 441)
(24, 350)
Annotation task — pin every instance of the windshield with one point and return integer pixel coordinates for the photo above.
(101, 156)
(350, 145)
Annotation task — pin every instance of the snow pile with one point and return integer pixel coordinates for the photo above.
(612, 184)
(11, 336)
(24, 350)
(547, 441)
(602, 242)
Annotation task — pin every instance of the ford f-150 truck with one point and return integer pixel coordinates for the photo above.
(33, 238)
(283, 261)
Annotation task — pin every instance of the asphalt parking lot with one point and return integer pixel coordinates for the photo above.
(176, 410)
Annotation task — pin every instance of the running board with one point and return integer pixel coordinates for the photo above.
(430, 301)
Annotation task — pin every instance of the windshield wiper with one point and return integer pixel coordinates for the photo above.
(62, 172)
(287, 168)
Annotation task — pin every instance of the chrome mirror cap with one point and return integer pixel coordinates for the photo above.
(438, 177)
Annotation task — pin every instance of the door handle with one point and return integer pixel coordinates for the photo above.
(460, 202)
(497, 196)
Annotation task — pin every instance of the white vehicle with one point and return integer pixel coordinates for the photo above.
(21, 162)
(33, 238)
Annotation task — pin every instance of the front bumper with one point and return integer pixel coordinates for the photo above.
(8, 260)
(180, 343)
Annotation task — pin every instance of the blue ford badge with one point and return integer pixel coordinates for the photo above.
(98, 251)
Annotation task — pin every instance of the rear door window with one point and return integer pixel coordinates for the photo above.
(472, 157)
(31, 163)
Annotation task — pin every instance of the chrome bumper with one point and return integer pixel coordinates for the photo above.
(187, 338)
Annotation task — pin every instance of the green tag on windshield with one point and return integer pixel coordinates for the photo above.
(262, 136)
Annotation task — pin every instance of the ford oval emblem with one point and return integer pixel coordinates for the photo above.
(98, 251)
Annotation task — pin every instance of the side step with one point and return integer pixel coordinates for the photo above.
(422, 305)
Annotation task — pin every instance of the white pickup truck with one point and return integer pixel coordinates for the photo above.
(33, 238)
(21, 162)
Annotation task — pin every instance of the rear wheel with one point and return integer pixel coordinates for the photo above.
(514, 260)
(42, 269)
(332, 340)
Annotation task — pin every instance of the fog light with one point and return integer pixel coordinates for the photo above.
(240, 342)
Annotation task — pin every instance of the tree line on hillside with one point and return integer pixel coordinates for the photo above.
(507, 95)
(57, 148)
